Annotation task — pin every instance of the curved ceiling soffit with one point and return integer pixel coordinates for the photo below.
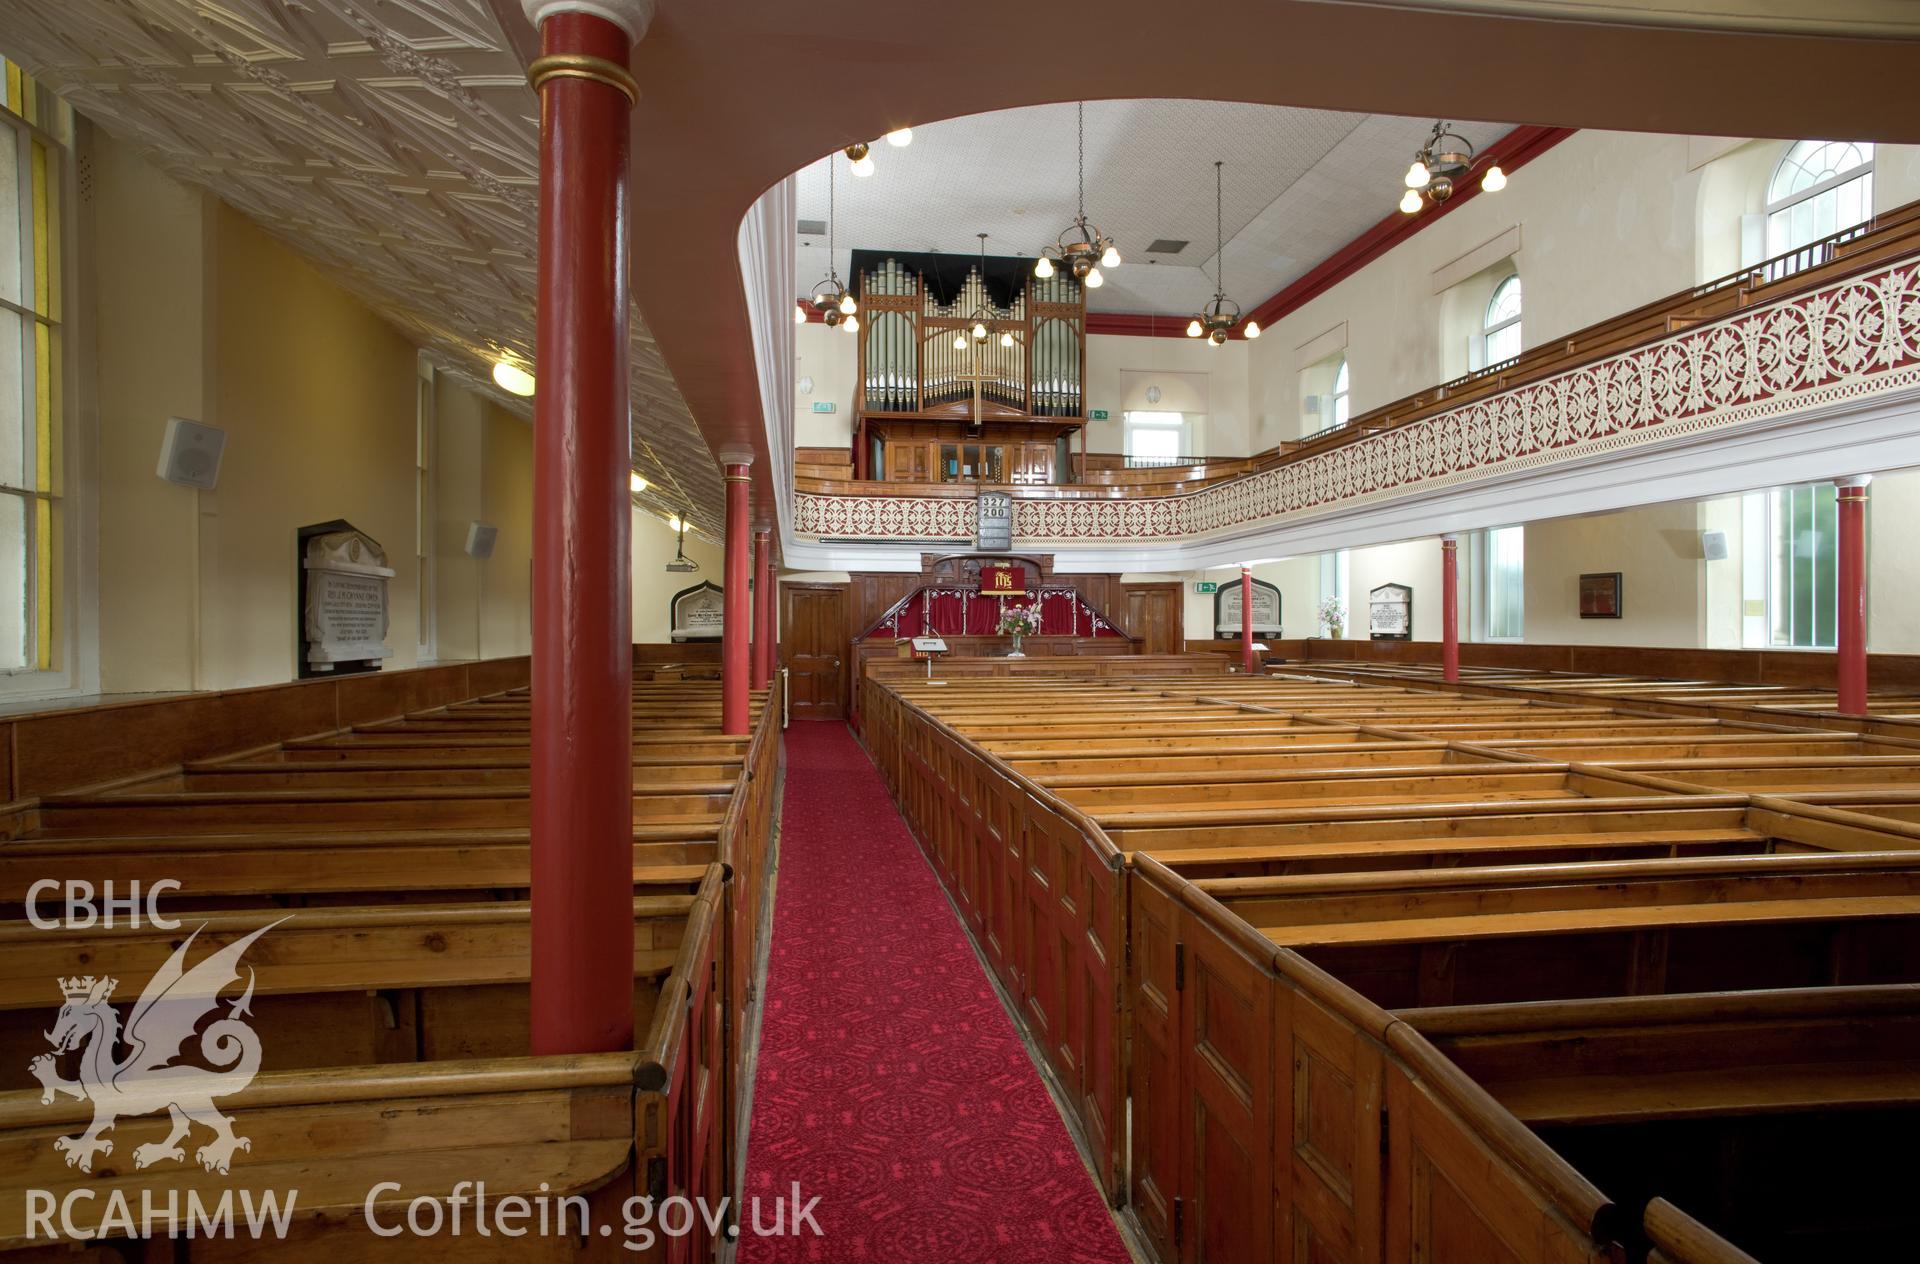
(732, 104)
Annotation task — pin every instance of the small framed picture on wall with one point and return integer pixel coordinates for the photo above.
(1600, 595)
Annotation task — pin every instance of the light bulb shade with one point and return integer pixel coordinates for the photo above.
(635, 483)
(1094, 279)
(1006, 338)
(799, 314)
(959, 342)
(1494, 181)
(1253, 329)
(1410, 202)
(512, 379)
(979, 331)
(1193, 328)
(673, 521)
(900, 137)
(853, 324)
(1110, 258)
(1043, 267)
(847, 304)
(862, 166)
(1418, 175)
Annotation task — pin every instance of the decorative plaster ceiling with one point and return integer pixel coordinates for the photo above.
(1300, 184)
(394, 143)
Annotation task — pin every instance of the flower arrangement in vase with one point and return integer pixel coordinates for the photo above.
(1333, 617)
(1018, 622)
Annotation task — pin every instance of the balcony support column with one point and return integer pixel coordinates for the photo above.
(1850, 666)
(1246, 619)
(736, 617)
(582, 677)
(1449, 608)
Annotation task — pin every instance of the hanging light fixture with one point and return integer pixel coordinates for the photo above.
(834, 301)
(1082, 248)
(1439, 166)
(1217, 318)
(982, 313)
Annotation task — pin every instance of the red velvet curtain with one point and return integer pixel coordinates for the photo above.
(958, 612)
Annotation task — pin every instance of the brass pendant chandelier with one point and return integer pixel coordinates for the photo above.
(833, 300)
(1082, 248)
(1439, 165)
(1217, 319)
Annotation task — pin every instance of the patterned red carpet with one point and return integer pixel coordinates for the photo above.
(891, 1082)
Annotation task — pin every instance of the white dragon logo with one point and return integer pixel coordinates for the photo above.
(159, 1025)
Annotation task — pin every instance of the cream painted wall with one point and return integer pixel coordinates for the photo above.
(483, 471)
(831, 357)
(198, 313)
(1663, 577)
(151, 348)
(1223, 432)
(653, 586)
(317, 397)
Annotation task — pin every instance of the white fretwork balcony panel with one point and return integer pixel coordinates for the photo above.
(1848, 346)
(393, 144)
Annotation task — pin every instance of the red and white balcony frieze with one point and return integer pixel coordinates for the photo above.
(1848, 343)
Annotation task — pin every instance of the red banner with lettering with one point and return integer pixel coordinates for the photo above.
(1003, 581)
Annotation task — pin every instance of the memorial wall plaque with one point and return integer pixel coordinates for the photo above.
(698, 613)
(344, 600)
(1266, 610)
(1390, 613)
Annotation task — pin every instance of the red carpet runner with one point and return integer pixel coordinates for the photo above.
(891, 1082)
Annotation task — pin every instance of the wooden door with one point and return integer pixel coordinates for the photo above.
(906, 461)
(813, 649)
(1155, 617)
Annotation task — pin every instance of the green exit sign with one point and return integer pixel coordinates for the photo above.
(823, 405)
(1205, 586)
(1098, 414)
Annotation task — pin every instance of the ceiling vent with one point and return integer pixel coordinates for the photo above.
(814, 228)
(1165, 246)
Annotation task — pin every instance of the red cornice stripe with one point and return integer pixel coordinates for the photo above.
(1511, 152)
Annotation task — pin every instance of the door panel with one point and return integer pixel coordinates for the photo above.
(813, 648)
(1154, 617)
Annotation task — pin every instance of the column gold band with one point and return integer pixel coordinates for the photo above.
(584, 66)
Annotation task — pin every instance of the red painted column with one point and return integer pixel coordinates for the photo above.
(1850, 667)
(1246, 619)
(762, 607)
(1449, 608)
(736, 630)
(582, 758)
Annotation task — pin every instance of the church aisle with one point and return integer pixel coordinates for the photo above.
(891, 1083)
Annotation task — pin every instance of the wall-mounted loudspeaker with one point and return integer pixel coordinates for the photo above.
(480, 538)
(190, 454)
(1713, 545)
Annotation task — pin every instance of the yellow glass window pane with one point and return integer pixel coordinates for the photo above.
(42, 238)
(43, 575)
(49, 447)
(13, 87)
(43, 413)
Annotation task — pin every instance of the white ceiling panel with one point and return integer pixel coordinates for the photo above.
(1300, 184)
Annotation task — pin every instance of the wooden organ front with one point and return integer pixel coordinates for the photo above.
(936, 403)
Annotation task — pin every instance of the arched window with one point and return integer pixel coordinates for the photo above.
(1500, 331)
(1340, 410)
(1820, 188)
